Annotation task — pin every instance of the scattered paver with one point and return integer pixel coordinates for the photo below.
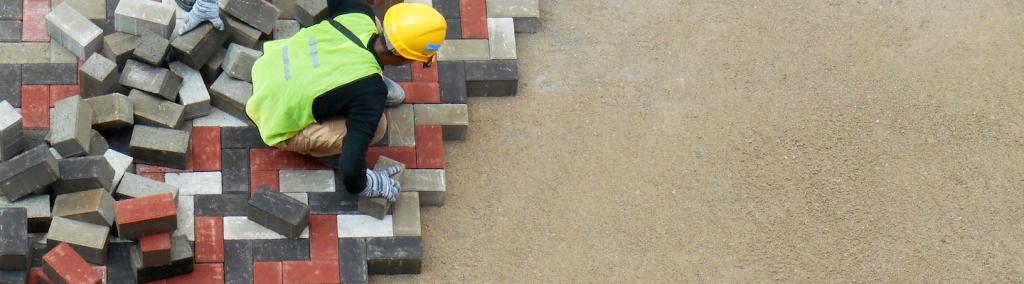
(15, 251)
(193, 95)
(146, 215)
(160, 146)
(154, 80)
(12, 136)
(64, 265)
(98, 76)
(394, 255)
(27, 173)
(155, 250)
(88, 239)
(257, 13)
(135, 186)
(136, 16)
(278, 212)
(70, 129)
(111, 111)
(92, 206)
(238, 62)
(84, 173)
(73, 31)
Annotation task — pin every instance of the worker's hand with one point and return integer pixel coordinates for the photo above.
(203, 10)
(381, 184)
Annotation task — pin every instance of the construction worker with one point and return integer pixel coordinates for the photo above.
(321, 92)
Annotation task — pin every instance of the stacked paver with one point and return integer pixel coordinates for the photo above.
(126, 155)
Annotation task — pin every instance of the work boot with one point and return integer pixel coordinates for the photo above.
(396, 95)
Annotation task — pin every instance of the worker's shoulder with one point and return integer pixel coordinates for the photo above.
(341, 7)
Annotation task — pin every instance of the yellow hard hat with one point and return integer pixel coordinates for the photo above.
(414, 31)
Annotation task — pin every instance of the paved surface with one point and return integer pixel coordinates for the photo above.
(745, 141)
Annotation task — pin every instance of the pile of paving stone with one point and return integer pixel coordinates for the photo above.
(124, 184)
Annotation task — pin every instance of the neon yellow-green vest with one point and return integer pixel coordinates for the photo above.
(294, 71)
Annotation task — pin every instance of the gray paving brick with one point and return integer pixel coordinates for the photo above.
(195, 183)
(38, 207)
(10, 10)
(13, 276)
(120, 162)
(59, 54)
(28, 172)
(83, 173)
(394, 255)
(492, 78)
(160, 146)
(430, 184)
(502, 38)
(154, 80)
(257, 13)
(195, 47)
(49, 74)
(241, 33)
(310, 12)
(91, 9)
(464, 49)
(280, 250)
(151, 48)
(73, 31)
(135, 186)
(182, 262)
(15, 250)
(111, 111)
(136, 16)
(241, 138)
(352, 260)
(91, 206)
(452, 78)
(233, 204)
(212, 69)
(150, 110)
(235, 170)
(238, 261)
(450, 9)
(407, 214)
(12, 136)
(10, 87)
(526, 25)
(10, 31)
(333, 203)
(70, 127)
(97, 144)
(38, 245)
(238, 62)
(193, 94)
(119, 263)
(89, 240)
(513, 8)
(119, 47)
(454, 30)
(453, 118)
(286, 28)
(400, 73)
(98, 76)
(24, 52)
(35, 137)
(306, 180)
(278, 212)
(376, 207)
(401, 126)
(230, 95)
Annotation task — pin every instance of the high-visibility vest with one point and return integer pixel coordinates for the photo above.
(294, 71)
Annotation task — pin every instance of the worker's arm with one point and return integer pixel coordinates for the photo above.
(361, 103)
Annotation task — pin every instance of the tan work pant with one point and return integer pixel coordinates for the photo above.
(324, 139)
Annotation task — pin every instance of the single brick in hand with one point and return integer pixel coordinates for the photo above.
(278, 212)
(146, 215)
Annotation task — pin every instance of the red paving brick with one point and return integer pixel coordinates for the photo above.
(474, 18)
(429, 147)
(420, 74)
(309, 272)
(143, 168)
(33, 26)
(264, 159)
(70, 266)
(264, 178)
(421, 92)
(266, 273)
(406, 155)
(153, 176)
(60, 92)
(35, 111)
(143, 209)
(209, 239)
(156, 242)
(205, 154)
(323, 238)
(202, 273)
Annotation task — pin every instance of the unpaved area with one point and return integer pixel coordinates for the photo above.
(736, 141)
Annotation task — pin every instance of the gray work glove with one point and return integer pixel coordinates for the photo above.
(203, 10)
(381, 184)
(396, 95)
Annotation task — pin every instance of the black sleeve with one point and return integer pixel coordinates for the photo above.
(361, 103)
(339, 7)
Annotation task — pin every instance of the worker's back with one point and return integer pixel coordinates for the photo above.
(294, 71)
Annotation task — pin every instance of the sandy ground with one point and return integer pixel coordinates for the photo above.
(735, 141)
